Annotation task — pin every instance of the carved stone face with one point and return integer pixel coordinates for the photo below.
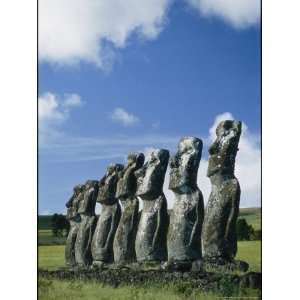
(87, 197)
(184, 165)
(108, 185)
(73, 204)
(224, 149)
(127, 180)
(150, 177)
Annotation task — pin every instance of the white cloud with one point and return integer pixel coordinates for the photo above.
(120, 115)
(71, 31)
(53, 111)
(238, 13)
(72, 100)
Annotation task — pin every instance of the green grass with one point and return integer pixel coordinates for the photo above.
(45, 237)
(53, 256)
(250, 251)
(75, 290)
(50, 257)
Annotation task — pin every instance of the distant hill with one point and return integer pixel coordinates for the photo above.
(252, 216)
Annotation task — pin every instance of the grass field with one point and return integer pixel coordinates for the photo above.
(51, 256)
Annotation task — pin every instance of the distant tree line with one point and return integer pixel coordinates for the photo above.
(246, 232)
(60, 225)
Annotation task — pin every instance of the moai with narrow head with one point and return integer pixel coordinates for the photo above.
(184, 236)
(150, 244)
(124, 242)
(102, 244)
(219, 239)
(74, 219)
(88, 221)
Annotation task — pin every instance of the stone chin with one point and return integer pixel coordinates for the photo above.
(147, 192)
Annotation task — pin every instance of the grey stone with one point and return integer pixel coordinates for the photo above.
(102, 243)
(74, 219)
(124, 242)
(184, 237)
(86, 209)
(150, 244)
(219, 228)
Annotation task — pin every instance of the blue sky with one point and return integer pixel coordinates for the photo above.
(175, 73)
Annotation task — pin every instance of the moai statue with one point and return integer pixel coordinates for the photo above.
(102, 244)
(219, 239)
(74, 219)
(124, 242)
(150, 243)
(184, 236)
(86, 229)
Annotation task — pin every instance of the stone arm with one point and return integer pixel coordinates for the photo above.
(195, 240)
(160, 215)
(114, 224)
(230, 231)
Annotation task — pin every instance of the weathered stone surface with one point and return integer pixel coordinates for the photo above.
(102, 243)
(74, 219)
(86, 209)
(221, 265)
(150, 244)
(206, 281)
(184, 236)
(219, 228)
(124, 242)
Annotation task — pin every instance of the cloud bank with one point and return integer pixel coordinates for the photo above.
(71, 31)
(238, 13)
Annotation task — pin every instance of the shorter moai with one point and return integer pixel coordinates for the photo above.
(184, 236)
(124, 242)
(74, 219)
(102, 244)
(88, 221)
(150, 244)
(219, 238)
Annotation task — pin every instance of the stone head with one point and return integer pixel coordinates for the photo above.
(224, 149)
(184, 165)
(127, 180)
(150, 177)
(88, 196)
(73, 204)
(108, 184)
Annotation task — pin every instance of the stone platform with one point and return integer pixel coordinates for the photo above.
(206, 281)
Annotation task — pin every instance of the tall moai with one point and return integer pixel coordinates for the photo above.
(102, 244)
(150, 244)
(184, 236)
(74, 219)
(87, 225)
(219, 239)
(124, 242)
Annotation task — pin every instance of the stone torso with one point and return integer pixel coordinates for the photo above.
(151, 237)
